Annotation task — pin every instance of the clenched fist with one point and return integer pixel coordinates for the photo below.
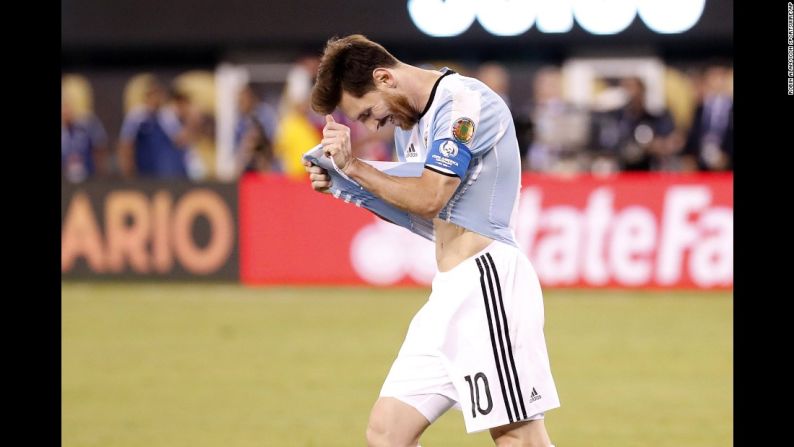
(336, 143)
(321, 181)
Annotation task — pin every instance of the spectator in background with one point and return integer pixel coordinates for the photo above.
(155, 137)
(497, 78)
(83, 137)
(679, 96)
(709, 145)
(198, 89)
(253, 135)
(297, 132)
(559, 131)
(191, 118)
(631, 136)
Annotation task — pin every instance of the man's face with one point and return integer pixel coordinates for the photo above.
(635, 91)
(715, 80)
(155, 97)
(67, 112)
(246, 101)
(379, 107)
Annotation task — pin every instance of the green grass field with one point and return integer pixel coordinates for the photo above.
(170, 365)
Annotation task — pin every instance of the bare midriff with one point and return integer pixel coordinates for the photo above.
(455, 244)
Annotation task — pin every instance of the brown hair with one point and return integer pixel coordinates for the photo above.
(347, 64)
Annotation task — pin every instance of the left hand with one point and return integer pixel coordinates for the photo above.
(321, 181)
(336, 143)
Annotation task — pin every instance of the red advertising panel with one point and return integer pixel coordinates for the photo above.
(632, 230)
(290, 234)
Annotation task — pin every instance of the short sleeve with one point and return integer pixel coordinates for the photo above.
(131, 125)
(97, 132)
(266, 116)
(169, 122)
(453, 133)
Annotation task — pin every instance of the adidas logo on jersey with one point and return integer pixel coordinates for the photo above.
(411, 152)
(534, 396)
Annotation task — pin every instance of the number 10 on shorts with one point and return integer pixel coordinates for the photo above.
(480, 381)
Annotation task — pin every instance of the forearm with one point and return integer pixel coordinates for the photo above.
(126, 159)
(101, 161)
(243, 156)
(412, 194)
(424, 195)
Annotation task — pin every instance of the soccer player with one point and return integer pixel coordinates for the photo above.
(478, 342)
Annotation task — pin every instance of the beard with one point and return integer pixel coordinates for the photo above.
(404, 115)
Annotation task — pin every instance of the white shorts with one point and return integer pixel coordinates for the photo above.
(478, 345)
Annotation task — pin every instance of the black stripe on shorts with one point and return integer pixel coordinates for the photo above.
(493, 338)
(507, 337)
(501, 336)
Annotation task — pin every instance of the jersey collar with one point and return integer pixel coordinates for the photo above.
(446, 71)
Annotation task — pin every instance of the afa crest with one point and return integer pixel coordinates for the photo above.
(463, 130)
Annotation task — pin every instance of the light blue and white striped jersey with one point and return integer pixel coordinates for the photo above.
(467, 130)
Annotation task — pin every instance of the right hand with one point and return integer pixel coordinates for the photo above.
(321, 181)
(336, 143)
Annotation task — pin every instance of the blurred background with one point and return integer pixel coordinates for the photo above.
(205, 299)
